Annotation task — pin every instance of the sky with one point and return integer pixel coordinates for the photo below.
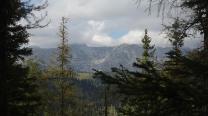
(101, 23)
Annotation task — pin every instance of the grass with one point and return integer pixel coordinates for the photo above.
(84, 75)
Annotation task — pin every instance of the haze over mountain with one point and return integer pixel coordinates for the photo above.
(85, 58)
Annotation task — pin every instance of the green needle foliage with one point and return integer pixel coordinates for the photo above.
(15, 86)
(193, 16)
(140, 86)
(179, 88)
(60, 76)
(148, 53)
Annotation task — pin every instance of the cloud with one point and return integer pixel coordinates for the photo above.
(133, 37)
(96, 26)
(99, 23)
(101, 40)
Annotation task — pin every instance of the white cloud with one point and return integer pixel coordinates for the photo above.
(159, 39)
(96, 25)
(133, 37)
(102, 40)
(92, 22)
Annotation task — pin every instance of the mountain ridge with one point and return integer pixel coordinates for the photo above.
(85, 58)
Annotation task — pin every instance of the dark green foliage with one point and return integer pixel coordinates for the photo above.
(61, 98)
(35, 81)
(148, 53)
(189, 71)
(178, 89)
(140, 86)
(194, 16)
(87, 98)
(63, 72)
(15, 86)
(175, 35)
(198, 18)
(195, 68)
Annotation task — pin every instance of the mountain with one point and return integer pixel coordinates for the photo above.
(85, 58)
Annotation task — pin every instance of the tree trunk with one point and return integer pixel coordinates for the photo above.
(106, 101)
(205, 26)
(3, 77)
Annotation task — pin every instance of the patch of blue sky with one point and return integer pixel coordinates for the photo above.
(116, 34)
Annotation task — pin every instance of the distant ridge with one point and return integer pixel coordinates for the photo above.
(86, 58)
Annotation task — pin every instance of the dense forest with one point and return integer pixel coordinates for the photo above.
(174, 84)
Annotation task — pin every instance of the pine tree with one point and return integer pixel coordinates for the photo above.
(176, 73)
(185, 76)
(62, 74)
(63, 61)
(35, 80)
(14, 84)
(196, 19)
(144, 104)
(176, 38)
(140, 86)
(148, 53)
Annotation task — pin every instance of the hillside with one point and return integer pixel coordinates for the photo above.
(85, 58)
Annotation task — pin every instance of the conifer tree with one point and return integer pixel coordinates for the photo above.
(144, 104)
(15, 88)
(63, 62)
(176, 73)
(196, 19)
(34, 78)
(183, 73)
(176, 37)
(148, 53)
(61, 74)
(139, 86)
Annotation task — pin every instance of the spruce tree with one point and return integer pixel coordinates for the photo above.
(194, 16)
(176, 38)
(143, 104)
(63, 62)
(149, 50)
(35, 80)
(15, 89)
(186, 75)
(140, 86)
(176, 73)
(61, 74)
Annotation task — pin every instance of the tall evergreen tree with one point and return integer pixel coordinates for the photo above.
(63, 62)
(149, 50)
(35, 80)
(143, 104)
(195, 13)
(174, 70)
(61, 75)
(194, 65)
(14, 85)
(176, 37)
(140, 86)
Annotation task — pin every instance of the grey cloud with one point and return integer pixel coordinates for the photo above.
(115, 14)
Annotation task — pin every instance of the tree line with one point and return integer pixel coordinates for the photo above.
(175, 87)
